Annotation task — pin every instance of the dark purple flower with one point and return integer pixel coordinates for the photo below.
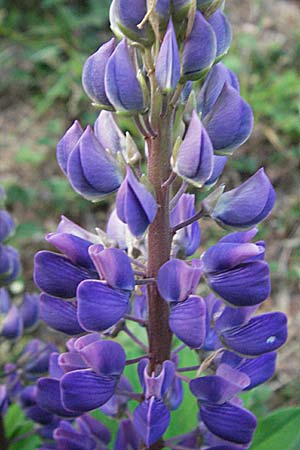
(7, 225)
(167, 70)
(151, 419)
(237, 208)
(29, 310)
(194, 161)
(12, 324)
(188, 321)
(93, 74)
(9, 264)
(135, 205)
(86, 389)
(114, 266)
(237, 273)
(199, 50)
(127, 438)
(57, 275)
(59, 314)
(188, 238)
(121, 84)
(229, 422)
(74, 247)
(176, 279)
(262, 334)
(99, 306)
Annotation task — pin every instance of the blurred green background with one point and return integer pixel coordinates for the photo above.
(43, 44)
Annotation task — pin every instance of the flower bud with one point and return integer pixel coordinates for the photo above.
(121, 84)
(12, 324)
(230, 121)
(91, 171)
(114, 266)
(129, 13)
(29, 310)
(6, 225)
(218, 167)
(135, 205)
(109, 134)
(199, 50)
(187, 238)
(93, 74)
(247, 204)
(223, 32)
(9, 264)
(167, 69)
(181, 8)
(67, 143)
(194, 160)
(213, 85)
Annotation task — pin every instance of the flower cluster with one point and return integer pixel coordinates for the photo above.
(164, 72)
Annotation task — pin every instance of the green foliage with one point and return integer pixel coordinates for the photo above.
(279, 430)
(19, 430)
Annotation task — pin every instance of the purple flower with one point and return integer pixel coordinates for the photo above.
(177, 280)
(7, 225)
(186, 239)
(236, 272)
(121, 84)
(223, 32)
(57, 275)
(199, 50)
(229, 123)
(187, 321)
(237, 208)
(213, 85)
(91, 170)
(127, 438)
(67, 143)
(194, 161)
(59, 314)
(29, 310)
(99, 306)
(114, 266)
(167, 69)
(9, 264)
(217, 409)
(135, 205)
(12, 324)
(93, 74)
(109, 134)
(87, 389)
(128, 14)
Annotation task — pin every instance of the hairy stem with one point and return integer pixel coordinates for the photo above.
(159, 246)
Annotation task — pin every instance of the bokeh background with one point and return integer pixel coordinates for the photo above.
(43, 44)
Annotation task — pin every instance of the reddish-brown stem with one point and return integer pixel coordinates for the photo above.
(159, 246)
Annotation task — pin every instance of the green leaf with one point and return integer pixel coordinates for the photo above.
(14, 419)
(280, 430)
